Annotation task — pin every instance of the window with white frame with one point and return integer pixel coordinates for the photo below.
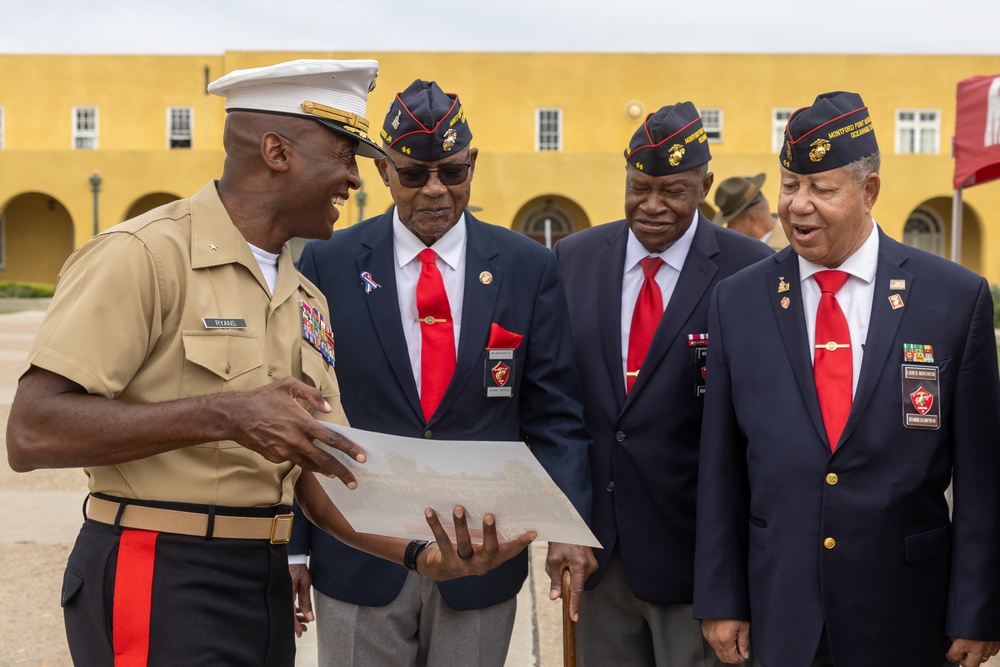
(711, 120)
(179, 127)
(85, 127)
(918, 131)
(779, 119)
(548, 129)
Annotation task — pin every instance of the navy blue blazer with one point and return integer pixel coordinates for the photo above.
(644, 460)
(792, 537)
(379, 393)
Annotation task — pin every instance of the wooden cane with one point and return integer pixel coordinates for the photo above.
(569, 627)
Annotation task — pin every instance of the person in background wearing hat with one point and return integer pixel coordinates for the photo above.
(172, 365)
(744, 209)
(638, 297)
(447, 328)
(851, 380)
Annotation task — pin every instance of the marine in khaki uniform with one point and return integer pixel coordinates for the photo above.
(184, 364)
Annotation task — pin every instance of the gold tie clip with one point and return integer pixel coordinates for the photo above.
(429, 320)
(831, 346)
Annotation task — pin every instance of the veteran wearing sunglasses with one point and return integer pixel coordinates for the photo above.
(450, 328)
(171, 366)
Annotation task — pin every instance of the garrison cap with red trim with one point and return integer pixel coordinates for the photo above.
(333, 92)
(669, 141)
(836, 130)
(426, 123)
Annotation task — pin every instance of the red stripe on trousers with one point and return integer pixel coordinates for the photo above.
(133, 597)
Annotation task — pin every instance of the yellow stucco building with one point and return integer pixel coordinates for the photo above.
(88, 141)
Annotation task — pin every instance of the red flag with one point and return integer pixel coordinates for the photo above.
(977, 131)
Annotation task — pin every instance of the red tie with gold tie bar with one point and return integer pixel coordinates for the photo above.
(437, 335)
(645, 318)
(833, 363)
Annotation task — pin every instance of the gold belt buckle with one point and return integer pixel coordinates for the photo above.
(281, 528)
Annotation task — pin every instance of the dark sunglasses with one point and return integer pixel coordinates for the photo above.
(417, 177)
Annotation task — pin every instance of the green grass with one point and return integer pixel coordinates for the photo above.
(12, 289)
(995, 289)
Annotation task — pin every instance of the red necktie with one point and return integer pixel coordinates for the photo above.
(645, 318)
(833, 363)
(437, 336)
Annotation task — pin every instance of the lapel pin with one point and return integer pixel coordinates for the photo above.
(213, 246)
(486, 277)
(896, 301)
(369, 283)
(782, 285)
(785, 302)
(897, 285)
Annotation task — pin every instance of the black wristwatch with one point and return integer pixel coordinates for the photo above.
(413, 550)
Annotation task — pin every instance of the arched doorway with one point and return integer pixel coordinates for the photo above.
(148, 203)
(547, 227)
(549, 218)
(929, 227)
(924, 230)
(36, 237)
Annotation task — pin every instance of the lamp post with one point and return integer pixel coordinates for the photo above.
(95, 187)
(361, 197)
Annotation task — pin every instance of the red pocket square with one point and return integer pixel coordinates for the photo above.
(502, 339)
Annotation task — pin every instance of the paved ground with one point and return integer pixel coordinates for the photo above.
(42, 513)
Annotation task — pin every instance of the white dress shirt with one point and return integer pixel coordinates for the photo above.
(632, 279)
(855, 298)
(450, 250)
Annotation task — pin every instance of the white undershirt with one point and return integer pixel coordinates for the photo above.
(268, 263)
(632, 279)
(450, 249)
(855, 297)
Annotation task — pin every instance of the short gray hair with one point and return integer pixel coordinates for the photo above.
(859, 169)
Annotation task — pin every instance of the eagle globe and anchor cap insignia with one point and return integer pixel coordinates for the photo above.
(820, 148)
(676, 155)
(500, 372)
(922, 400)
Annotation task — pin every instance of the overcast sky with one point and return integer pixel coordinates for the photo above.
(741, 26)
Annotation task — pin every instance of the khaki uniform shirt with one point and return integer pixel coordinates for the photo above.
(127, 323)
